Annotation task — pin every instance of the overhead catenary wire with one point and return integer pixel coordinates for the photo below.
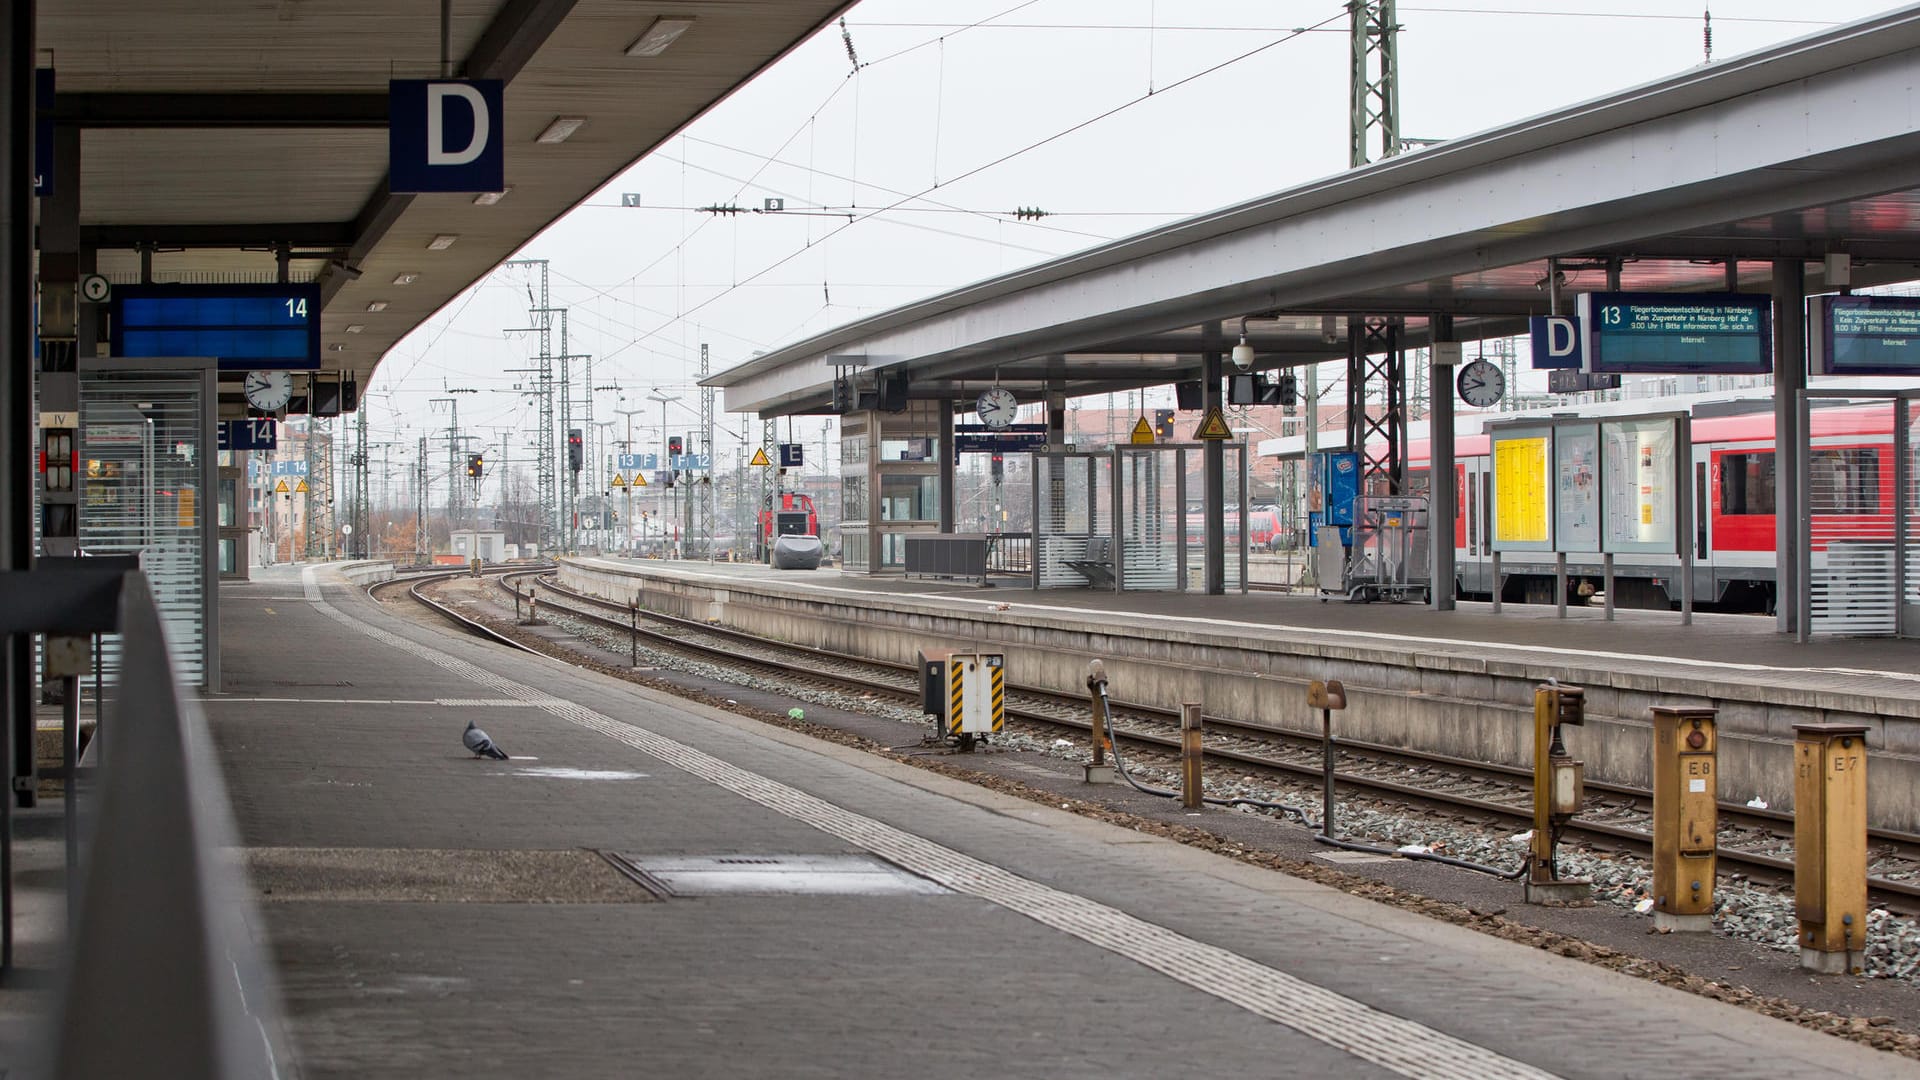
(1002, 159)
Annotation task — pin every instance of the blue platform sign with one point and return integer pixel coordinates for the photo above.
(1863, 335)
(43, 132)
(689, 462)
(242, 326)
(251, 434)
(446, 135)
(1631, 333)
(289, 468)
(791, 455)
(1556, 342)
(639, 462)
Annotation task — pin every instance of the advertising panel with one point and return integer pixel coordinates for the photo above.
(1576, 487)
(1522, 488)
(1640, 475)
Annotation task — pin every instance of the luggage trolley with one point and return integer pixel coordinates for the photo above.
(1389, 559)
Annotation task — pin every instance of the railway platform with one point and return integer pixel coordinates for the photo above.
(434, 914)
(1458, 683)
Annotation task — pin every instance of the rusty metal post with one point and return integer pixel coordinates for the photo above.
(1684, 818)
(533, 608)
(1326, 696)
(516, 603)
(1098, 771)
(1190, 731)
(633, 633)
(1830, 845)
(1558, 788)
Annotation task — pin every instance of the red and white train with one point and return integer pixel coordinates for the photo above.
(1733, 472)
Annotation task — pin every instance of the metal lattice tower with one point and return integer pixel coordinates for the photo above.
(1374, 357)
(546, 463)
(319, 487)
(420, 473)
(360, 515)
(707, 493)
(769, 481)
(1374, 82)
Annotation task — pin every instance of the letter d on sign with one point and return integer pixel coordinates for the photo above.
(437, 95)
(1556, 341)
(445, 135)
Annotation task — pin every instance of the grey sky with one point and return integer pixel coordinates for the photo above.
(948, 89)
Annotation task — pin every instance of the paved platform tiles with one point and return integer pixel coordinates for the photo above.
(1744, 648)
(1063, 946)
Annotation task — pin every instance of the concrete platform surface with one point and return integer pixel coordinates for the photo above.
(1736, 650)
(441, 915)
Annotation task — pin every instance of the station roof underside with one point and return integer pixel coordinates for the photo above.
(1793, 152)
(214, 132)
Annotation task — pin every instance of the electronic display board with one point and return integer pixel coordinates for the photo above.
(1863, 335)
(244, 327)
(1678, 333)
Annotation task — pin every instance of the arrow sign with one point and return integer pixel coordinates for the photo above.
(760, 458)
(1142, 432)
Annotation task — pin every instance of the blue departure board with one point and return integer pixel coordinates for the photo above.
(244, 327)
(1678, 333)
(1863, 335)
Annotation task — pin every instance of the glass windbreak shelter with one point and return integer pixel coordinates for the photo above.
(1133, 518)
(148, 454)
(1859, 512)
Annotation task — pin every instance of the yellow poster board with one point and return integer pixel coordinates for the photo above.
(1521, 491)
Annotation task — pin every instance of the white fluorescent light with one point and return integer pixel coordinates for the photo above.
(664, 32)
(488, 198)
(405, 279)
(377, 305)
(560, 129)
(441, 242)
(354, 328)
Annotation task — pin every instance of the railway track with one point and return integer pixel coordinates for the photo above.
(1616, 815)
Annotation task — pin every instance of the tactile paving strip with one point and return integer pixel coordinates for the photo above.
(1399, 1045)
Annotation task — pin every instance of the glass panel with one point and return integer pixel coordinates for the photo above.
(229, 555)
(141, 441)
(1851, 587)
(229, 500)
(909, 498)
(914, 449)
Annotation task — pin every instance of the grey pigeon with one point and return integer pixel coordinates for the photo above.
(477, 741)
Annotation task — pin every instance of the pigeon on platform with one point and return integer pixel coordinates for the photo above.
(477, 741)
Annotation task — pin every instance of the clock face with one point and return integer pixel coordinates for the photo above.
(269, 391)
(997, 408)
(1481, 384)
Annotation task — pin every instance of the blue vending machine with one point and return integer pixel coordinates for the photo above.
(1333, 481)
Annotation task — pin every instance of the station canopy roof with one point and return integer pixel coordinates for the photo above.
(1792, 152)
(214, 132)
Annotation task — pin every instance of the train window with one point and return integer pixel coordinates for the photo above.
(1845, 481)
(1419, 481)
(1746, 483)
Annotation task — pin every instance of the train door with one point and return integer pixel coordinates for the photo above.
(1473, 550)
(1704, 586)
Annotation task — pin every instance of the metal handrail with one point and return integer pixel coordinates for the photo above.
(163, 977)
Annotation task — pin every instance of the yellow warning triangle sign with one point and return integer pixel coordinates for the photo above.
(639, 479)
(1142, 432)
(300, 488)
(1214, 426)
(281, 488)
(760, 457)
(618, 480)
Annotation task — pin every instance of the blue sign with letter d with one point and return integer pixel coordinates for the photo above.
(1556, 342)
(446, 135)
